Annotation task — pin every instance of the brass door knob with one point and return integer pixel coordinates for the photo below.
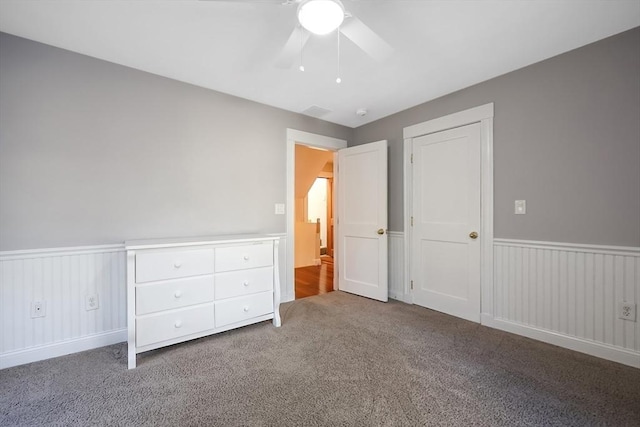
(473, 235)
(380, 231)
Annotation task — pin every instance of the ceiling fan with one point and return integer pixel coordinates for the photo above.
(321, 17)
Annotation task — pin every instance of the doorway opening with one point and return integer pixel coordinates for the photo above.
(299, 138)
(313, 243)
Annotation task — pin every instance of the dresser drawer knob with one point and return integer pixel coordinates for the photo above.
(177, 294)
(177, 264)
(246, 257)
(246, 283)
(178, 324)
(246, 309)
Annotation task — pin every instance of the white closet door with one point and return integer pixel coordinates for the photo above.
(445, 249)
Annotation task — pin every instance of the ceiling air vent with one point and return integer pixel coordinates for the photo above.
(315, 111)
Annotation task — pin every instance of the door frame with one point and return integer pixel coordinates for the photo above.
(482, 114)
(310, 140)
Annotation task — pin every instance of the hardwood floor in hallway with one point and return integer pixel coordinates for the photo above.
(315, 279)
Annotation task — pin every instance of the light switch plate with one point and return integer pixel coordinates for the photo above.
(520, 207)
(279, 208)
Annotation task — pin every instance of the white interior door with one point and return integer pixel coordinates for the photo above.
(445, 252)
(362, 220)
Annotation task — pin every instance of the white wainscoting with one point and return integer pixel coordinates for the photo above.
(61, 278)
(287, 285)
(568, 295)
(397, 283)
(559, 293)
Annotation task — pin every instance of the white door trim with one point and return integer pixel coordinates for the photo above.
(312, 140)
(484, 115)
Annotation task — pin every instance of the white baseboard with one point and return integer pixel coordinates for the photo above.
(35, 354)
(615, 354)
(400, 297)
(287, 298)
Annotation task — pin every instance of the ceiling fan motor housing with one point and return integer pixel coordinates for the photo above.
(320, 16)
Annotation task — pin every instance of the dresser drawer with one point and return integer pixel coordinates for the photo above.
(173, 324)
(173, 294)
(243, 282)
(246, 256)
(173, 264)
(237, 309)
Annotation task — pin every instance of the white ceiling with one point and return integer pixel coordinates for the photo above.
(440, 45)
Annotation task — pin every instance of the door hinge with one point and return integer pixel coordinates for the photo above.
(412, 285)
(411, 158)
(412, 221)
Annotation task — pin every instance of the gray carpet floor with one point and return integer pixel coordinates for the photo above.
(337, 360)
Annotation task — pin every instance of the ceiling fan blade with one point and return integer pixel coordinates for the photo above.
(292, 47)
(366, 39)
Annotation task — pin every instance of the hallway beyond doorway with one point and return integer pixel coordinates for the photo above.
(315, 279)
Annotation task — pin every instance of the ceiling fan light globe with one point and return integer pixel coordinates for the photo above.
(320, 16)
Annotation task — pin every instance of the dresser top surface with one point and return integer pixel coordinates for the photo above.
(198, 241)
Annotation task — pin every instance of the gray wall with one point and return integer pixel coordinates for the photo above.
(92, 153)
(566, 139)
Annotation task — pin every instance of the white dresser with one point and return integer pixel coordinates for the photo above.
(182, 289)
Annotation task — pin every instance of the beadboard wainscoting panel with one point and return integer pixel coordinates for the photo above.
(396, 266)
(286, 278)
(568, 295)
(61, 279)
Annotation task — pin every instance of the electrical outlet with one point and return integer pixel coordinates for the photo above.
(627, 311)
(38, 309)
(92, 302)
